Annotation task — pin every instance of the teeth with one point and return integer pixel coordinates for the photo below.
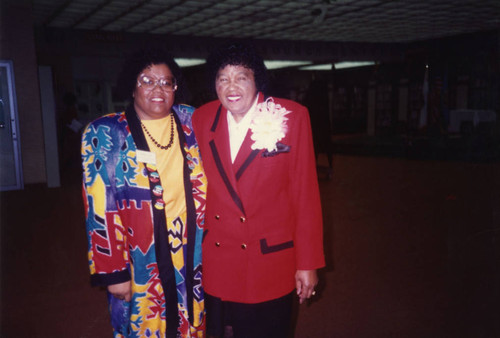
(233, 98)
(157, 100)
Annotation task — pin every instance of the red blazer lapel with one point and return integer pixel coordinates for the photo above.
(219, 146)
(245, 156)
(220, 136)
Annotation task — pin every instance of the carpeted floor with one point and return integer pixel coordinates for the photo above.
(412, 250)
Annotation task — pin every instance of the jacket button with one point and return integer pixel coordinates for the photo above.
(243, 219)
(217, 244)
(217, 217)
(243, 246)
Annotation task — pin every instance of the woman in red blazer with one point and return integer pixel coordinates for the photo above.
(263, 236)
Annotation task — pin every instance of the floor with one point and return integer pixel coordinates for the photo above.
(412, 250)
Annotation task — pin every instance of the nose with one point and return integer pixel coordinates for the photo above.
(231, 83)
(156, 87)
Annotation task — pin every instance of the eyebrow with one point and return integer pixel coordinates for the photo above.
(159, 78)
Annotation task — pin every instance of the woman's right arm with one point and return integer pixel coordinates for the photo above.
(107, 256)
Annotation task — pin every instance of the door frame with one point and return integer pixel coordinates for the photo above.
(14, 125)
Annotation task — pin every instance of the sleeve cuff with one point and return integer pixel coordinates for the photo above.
(105, 279)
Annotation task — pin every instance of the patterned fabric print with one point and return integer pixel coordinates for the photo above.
(199, 188)
(102, 166)
(118, 203)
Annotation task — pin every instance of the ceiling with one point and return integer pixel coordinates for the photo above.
(379, 21)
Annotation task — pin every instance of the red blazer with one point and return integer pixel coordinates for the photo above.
(263, 216)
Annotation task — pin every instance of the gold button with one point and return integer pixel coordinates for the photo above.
(217, 244)
(217, 217)
(243, 219)
(243, 246)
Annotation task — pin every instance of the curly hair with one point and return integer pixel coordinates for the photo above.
(139, 61)
(237, 54)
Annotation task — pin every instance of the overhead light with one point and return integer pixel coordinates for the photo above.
(276, 64)
(270, 64)
(188, 62)
(326, 66)
(353, 64)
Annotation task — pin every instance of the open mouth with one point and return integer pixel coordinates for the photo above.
(233, 98)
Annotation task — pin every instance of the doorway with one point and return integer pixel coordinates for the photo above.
(11, 177)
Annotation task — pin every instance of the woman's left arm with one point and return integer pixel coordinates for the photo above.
(305, 198)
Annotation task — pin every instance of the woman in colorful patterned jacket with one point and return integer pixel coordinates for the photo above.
(144, 191)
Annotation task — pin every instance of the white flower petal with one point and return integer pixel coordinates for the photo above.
(269, 125)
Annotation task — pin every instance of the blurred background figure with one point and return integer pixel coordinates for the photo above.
(316, 100)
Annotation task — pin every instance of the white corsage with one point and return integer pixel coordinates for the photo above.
(269, 125)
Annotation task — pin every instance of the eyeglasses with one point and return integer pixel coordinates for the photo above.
(149, 83)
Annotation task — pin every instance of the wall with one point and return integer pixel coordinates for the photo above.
(17, 44)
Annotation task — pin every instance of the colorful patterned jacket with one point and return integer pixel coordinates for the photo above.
(127, 231)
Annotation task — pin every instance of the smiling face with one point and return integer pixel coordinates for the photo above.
(155, 103)
(236, 89)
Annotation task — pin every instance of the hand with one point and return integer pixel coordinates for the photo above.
(305, 282)
(121, 291)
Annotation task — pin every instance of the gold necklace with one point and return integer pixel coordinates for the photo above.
(156, 143)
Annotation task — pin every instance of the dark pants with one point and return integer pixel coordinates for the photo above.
(271, 319)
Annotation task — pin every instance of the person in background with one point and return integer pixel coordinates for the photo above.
(144, 192)
(317, 102)
(263, 230)
(70, 132)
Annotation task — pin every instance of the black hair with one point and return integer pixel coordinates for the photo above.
(139, 61)
(237, 54)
